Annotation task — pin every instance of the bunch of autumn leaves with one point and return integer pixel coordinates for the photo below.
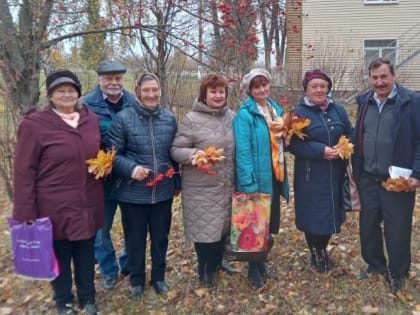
(101, 166)
(287, 126)
(290, 124)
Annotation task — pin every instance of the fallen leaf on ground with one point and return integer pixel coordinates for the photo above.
(369, 309)
(201, 291)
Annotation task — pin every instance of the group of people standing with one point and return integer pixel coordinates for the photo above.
(55, 140)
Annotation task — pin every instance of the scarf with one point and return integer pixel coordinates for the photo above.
(71, 119)
(323, 107)
(277, 153)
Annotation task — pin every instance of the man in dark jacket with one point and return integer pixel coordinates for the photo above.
(108, 98)
(387, 134)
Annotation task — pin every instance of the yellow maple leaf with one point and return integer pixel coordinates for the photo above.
(344, 147)
(101, 165)
(297, 124)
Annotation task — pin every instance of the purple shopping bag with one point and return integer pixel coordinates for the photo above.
(32, 246)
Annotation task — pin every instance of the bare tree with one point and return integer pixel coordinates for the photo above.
(272, 20)
(27, 30)
(156, 42)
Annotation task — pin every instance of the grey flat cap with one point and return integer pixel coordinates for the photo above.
(111, 67)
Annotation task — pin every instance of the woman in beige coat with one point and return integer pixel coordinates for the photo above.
(206, 198)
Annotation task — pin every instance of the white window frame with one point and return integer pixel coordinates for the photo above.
(381, 1)
(381, 48)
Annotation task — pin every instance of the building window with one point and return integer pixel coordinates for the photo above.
(381, 1)
(385, 48)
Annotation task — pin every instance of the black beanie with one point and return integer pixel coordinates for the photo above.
(59, 77)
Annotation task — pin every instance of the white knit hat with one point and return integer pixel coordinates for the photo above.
(246, 80)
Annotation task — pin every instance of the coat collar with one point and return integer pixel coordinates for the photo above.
(200, 106)
(143, 111)
(402, 96)
(252, 107)
(48, 117)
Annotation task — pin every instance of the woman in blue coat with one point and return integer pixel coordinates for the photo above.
(254, 156)
(142, 135)
(319, 172)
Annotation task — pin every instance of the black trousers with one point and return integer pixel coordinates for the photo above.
(83, 256)
(395, 210)
(209, 256)
(275, 206)
(319, 242)
(138, 220)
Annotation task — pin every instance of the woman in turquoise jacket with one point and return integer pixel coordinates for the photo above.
(256, 170)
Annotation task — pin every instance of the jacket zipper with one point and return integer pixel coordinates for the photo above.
(330, 165)
(155, 164)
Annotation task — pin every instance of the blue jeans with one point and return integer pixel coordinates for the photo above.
(104, 249)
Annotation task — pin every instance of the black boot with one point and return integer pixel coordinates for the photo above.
(200, 269)
(207, 275)
(321, 261)
(209, 280)
(316, 260)
(254, 274)
(265, 271)
(327, 262)
(201, 261)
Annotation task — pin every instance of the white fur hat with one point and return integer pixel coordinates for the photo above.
(246, 80)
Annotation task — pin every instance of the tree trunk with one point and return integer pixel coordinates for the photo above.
(20, 50)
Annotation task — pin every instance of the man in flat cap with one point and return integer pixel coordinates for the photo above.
(106, 100)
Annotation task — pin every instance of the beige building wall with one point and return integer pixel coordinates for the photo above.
(293, 67)
(334, 33)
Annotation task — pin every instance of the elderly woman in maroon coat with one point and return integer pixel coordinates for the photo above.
(51, 179)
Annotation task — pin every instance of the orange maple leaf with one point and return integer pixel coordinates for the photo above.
(209, 156)
(288, 125)
(397, 184)
(344, 147)
(101, 165)
(297, 124)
